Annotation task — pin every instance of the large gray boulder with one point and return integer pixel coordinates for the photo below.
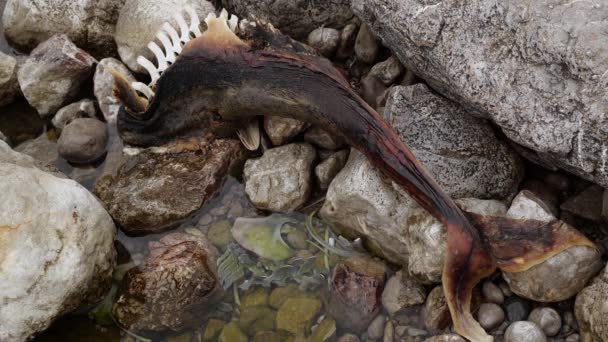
(296, 18)
(536, 68)
(56, 247)
(139, 20)
(460, 151)
(89, 23)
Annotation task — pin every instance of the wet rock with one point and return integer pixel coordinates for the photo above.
(323, 139)
(296, 315)
(281, 179)
(325, 331)
(461, 152)
(355, 292)
(586, 204)
(400, 292)
(524, 331)
(296, 19)
(154, 191)
(445, 338)
(53, 74)
(81, 109)
(325, 40)
(83, 140)
(281, 130)
(269, 336)
(387, 71)
(212, 330)
(526, 205)
(490, 316)
(366, 45)
(254, 319)
(372, 89)
(103, 83)
(535, 103)
(9, 86)
(436, 312)
(88, 23)
(56, 248)
(139, 20)
(219, 234)
(346, 48)
(492, 293)
(232, 333)
(375, 330)
(255, 297)
(590, 309)
(517, 309)
(172, 288)
(547, 319)
(329, 168)
(279, 295)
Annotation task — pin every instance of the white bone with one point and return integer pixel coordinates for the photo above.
(177, 45)
(183, 27)
(150, 67)
(195, 21)
(167, 45)
(224, 14)
(209, 17)
(160, 56)
(144, 89)
(233, 22)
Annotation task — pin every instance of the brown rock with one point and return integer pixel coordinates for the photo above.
(356, 290)
(172, 288)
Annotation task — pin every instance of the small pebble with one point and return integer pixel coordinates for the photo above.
(524, 331)
(490, 315)
(83, 140)
(547, 319)
(375, 330)
(325, 40)
(570, 320)
(492, 293)
(389, 332)
(366, 46)
(517, 309)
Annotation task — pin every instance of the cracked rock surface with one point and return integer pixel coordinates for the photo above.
(535, 68)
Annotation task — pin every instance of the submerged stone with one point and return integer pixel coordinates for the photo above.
(296, 315)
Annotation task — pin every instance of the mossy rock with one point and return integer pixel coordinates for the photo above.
(185, 337)
(232, 333)
(297, 314)
(255, 297)
(219, 234)
(270, 336)
(254, 319)
(325, 331)
(213, 329)
(279, 295)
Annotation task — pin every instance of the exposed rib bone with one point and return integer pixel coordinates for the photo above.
(233, 22)
(150, 67)
(195, 21)
(183, 27)
(167, 45)
(144, 89)
(177, 45)
(160, 56)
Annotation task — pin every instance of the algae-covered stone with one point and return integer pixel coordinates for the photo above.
(212, 330)
(255, 297)
(185, 337)
(325, 331)
(219, 234)
(279, 295)
(254, 319)
(258, 236)
(269, 336)
(232, 333)
(297, 314)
